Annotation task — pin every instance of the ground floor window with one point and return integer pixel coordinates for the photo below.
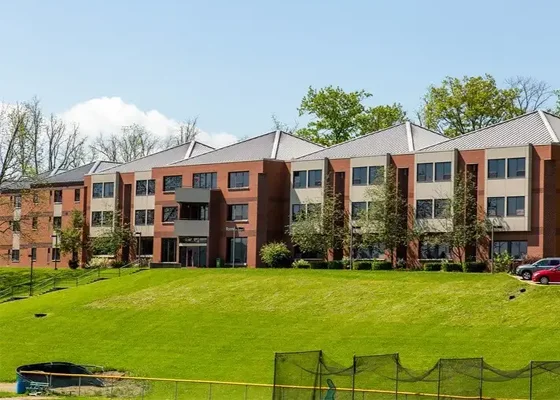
(15, 255)
(438, 251)
(516, 248)
(146, 246)
(237, 250)
(310, 255)
(55, 254)
(370, 252)
(169, 250)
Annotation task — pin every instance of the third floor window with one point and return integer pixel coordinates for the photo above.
(143, 217)
(443, 171)
(516, 167)
(58, 196)
(314, 178)
(17, 201)
(170, 183)
(425, 172)
(169, 214)
(300, 179)
(103, 190)
(145, 187)
(205, 180)
(359, 176)
(497, 168)
(238, 180)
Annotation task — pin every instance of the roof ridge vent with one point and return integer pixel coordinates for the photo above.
(409, 137)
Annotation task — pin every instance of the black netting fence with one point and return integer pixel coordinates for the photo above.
(313, 376)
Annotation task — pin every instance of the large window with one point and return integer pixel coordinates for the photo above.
(443, 171)
(300, 179)
(97, 190)
(77, 195)
(424, 209)
(425, 172)
(441, 208)
(373, 252)
(358, 209)
(237, 249)
(57, 222)
(238, 212)
(146, 187)
(102, 218)
(194, 211)
(144, 217)
(58, 196)
(430, 251)
(359, 176)
(495, 207)
(15, 255)
(516, 206)
(170, 183)
(108, 189)
(169, 214)
(205, 180)
(169, 250)
(146, 247)
(497, 169)
(239, 180)
(314, 178)
(516, 167)
(100, 190)
(376, 175)
(516, 248)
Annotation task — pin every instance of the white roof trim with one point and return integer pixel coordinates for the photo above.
(548, 126)
(190, 149)
(408, 127)
(54, 171)
(274, 152)
(94, 167)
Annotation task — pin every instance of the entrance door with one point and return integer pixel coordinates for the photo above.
(192, 256)
(183, 256)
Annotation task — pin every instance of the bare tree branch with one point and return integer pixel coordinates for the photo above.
(186, 132)
(135, 141)
(532, 93)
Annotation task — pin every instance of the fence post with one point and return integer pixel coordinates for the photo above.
(143, 388)
(397, 363)
(176, 389)
(439, 378)
(353, 375)
(79, 385)
(320, 373)
(481, 375)
(210, 391)
(531, 380)
(54, 282)
(246, 387)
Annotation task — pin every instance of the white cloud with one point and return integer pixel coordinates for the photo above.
(109, 114)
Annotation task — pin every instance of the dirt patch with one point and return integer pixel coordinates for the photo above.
(114, 387)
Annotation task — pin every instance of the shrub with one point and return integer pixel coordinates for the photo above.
(346, 262)
(73, 264)
(432, 266)
(301, 264)
(275, 254)
(335, 264)
(401, 264)
(362, 265)
(502, 262)
(98, 262)
(382, 266)
(117, 264)
(319, 265)
(451, 267)
(474, 267)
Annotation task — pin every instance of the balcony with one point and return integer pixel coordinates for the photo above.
(192, 195)
(187, 227)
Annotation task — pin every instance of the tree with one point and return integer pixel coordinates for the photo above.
(322, 227)
(72, 237)
(278, 125)
(275, 254)
(135, 141)
(389, 220)
(532, 94)
(338, 116)
(66, 148)
(186, 132)
(465, 222)
(113, 239)
(459, 106)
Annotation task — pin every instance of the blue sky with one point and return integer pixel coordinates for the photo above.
(234, 63)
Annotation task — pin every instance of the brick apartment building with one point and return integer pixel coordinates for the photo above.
(192, 205)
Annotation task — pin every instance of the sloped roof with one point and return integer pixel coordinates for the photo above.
(77, 174)
(537, 127)
(399, 139)
(276, 145)
(161, 158)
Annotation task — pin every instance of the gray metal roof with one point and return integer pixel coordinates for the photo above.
(399, 139)
(536, 127)
(77, 174)
(161, 158)
(276, 145)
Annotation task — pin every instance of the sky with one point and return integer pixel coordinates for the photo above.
(108, 63)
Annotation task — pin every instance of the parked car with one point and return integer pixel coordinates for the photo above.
(548, 275)
(526, 271)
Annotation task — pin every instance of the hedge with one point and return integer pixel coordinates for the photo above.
(335, 264)
(474, 267)
(452, 267)
(432, 266)
(382, 266)
(319, 265)
(362, 265)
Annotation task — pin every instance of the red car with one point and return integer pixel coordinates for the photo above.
(546, 276)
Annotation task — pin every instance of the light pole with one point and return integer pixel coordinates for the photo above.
(234, 229)
(31, 273)
(492, 245)
(55, 259)
(352, 227)
(139, 236)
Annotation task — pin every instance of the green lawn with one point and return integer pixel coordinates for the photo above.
(226, 324)
(15, 275)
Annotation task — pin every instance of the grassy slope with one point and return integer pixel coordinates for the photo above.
(15, 275)
(227, 324)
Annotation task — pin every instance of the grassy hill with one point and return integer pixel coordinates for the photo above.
(227, 324)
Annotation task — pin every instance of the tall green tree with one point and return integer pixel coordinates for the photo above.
(458, 106)
(337, 116)
(72, 237)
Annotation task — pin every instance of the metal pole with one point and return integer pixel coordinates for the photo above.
(176, 389)
(246, 392)
(30, 279)
(492, 251)
(439, 378)
(210, 391)
(481, 375)
(531, 381)
(353, 375)
(233, 248)
(351, 242)
(397, 377)
(57, 253)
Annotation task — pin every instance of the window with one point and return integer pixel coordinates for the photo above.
(34, 254)
(424, 209)
(373, 252)
(495, 207)
(108, 189)
(16, 226)
(107, 218)
(58, 196)
(300, 179)
(15, 255)
(516, 248)
(359, 176)
(430, 251)
(194, 211)
(34, 223)
(358, 208)
(57, 222)
(170, 183)
(96, 218)
(169, 214)
(443, 171)
(376, 175)
(97, 190)
(297, 209)
(35, 198)
(55, 254)
(149, 217)
(140, 217)
(238, 212)
(441, 208)
(516, 206)
(238, 179)
(497, 169)
(17, 201)
(425, 172)
(205, 180)
(237, 249)
(99, 218)
(146, 247)
(76, 195)
(516, 167)
(146, 187)
(314, 178)
(169, 250)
